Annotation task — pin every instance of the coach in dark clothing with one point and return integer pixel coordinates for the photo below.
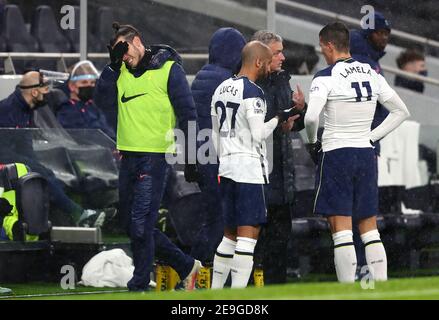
(224, 60)
(272, 245)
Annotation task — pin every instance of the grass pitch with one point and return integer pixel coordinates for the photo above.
(394, 289)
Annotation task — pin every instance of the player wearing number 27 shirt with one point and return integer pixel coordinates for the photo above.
(239, 132)
(346, 183)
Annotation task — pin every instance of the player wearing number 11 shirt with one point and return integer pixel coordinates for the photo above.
(239, 132)
(346, 183)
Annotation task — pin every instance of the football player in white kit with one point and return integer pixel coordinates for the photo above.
(346, 179)
(239, 132)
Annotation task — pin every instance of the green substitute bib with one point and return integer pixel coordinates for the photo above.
(146, 118)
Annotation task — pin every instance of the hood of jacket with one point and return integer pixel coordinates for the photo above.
(225, 48)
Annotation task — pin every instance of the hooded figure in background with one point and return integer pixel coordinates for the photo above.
(224, 60)
(367, 45)
(80, 111)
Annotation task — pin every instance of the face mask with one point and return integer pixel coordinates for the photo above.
(423, 73)
(410, 84)
(86, 93)
(40, 103)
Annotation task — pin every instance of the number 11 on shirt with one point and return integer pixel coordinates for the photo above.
(365, 84)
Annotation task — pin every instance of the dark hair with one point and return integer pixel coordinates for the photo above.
(336, 33)
(125, 30)
(408, 56)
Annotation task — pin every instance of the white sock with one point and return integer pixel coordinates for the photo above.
(222, 262)
(375, 255)
(345, 259)
(242, 264)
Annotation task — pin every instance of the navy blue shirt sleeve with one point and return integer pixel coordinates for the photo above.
(105, 95)
(182, 101)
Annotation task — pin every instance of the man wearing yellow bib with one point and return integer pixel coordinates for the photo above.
(152, 94)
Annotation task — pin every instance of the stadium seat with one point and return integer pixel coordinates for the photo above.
(73, 35)
(17, 37)
(402, 238)
(104, 32)
(310, 241)
(299, 58)
(33, 214)
(98, 174)
(58, 160)
(96, 167)
(28, 192)
(2, 44)
(430, 232)
(2, 49)
(43, 24)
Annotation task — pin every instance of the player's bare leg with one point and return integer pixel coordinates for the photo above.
(223, 258)
(345, 258)
(375, 253)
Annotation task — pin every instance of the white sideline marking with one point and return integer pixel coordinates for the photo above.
(60, 294)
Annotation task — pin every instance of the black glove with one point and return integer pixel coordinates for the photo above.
(191, 173)
(5, 207)
(313, 150)
(285, 114)
(116, 54)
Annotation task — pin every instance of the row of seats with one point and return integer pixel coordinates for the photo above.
(405, 236)
(46, 34)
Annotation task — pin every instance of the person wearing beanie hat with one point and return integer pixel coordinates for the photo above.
(378, 33)
(367, 45)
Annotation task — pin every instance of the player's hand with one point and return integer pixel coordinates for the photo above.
(191, 173)
(313, 150)
(288, 125)
(117, 53)
(284, 115)
(299, 98)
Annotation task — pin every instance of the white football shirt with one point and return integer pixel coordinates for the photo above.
(235, 102)
(351, 90)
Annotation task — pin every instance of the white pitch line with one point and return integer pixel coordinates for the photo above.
(60, 294)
